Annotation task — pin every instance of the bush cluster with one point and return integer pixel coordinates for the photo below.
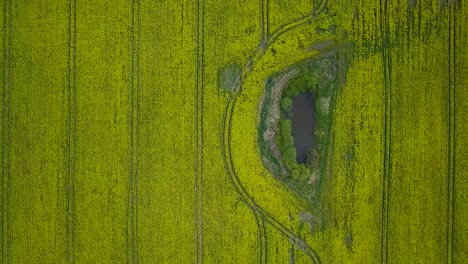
(303, 83)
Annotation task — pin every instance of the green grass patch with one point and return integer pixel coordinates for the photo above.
(228, 75)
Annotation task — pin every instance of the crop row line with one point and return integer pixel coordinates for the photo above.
(6, 133)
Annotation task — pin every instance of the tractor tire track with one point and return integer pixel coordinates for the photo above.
(71, 134)
(255, 208)
(451, 132)
(316, 11)
(264, 21)
(132, 203)
(260, 213)
(248, 201)
(200, 20)
(6, 133)
(387, 122)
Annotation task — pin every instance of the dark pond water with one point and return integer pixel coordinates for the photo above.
(303, 124)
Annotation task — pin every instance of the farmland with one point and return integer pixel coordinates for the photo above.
(130, 132)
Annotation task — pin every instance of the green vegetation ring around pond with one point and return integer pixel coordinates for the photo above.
(319, 75)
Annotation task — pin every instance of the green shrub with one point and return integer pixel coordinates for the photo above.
(286, 104)
(300, 172)
(306, 82)
(289, 156)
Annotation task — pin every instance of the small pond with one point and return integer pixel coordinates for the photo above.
(303, 124)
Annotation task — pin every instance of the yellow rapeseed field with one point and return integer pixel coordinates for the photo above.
(121, 143)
